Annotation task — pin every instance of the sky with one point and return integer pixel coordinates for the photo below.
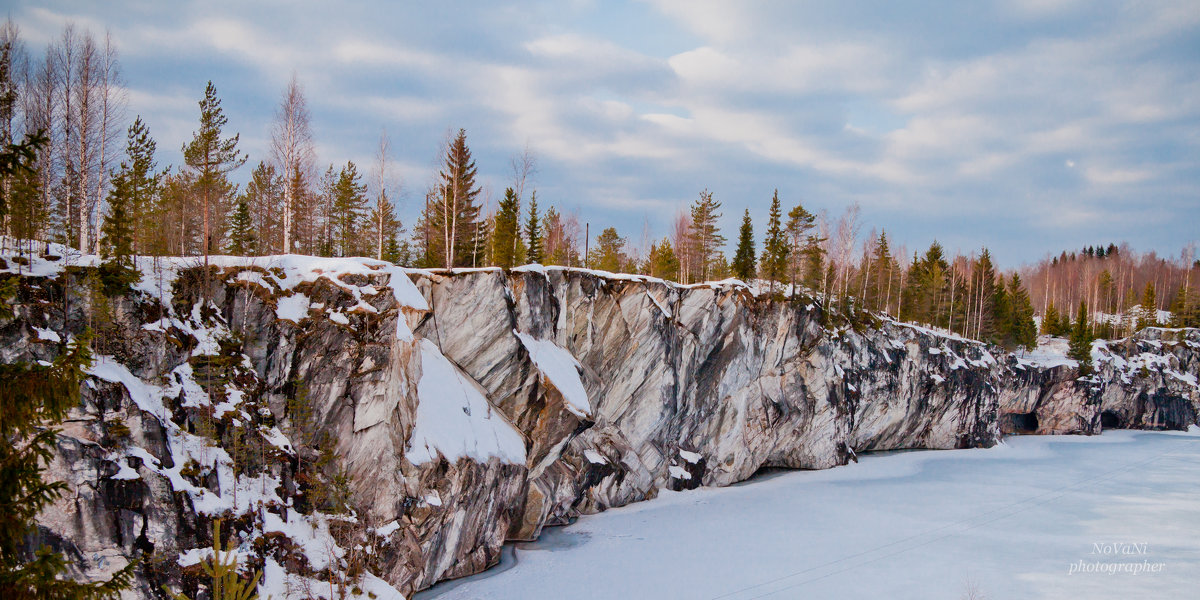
(1026, 126)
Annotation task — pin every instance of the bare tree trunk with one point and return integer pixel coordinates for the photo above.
(292, 151)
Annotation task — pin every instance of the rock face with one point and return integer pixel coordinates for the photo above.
(457, 411)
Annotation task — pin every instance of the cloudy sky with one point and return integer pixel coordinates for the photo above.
(1027, 126)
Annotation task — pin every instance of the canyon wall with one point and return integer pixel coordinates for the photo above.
(454, 411)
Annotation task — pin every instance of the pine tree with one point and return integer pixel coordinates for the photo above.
(609, 255)
(743, 259)
(33, 398)
(241, 231)
(211, 158)
(775, 247)
(533, 232)
(505, 231)
(1080, 344)
(705, 235)
(804, 248)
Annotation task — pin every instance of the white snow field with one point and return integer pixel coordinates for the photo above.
(1110, 516)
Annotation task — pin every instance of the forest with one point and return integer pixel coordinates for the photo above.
(92, 182)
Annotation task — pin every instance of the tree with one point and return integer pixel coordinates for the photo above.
(743, 258)
(661, 261)
(803, 246)
(294, 156)
(1148, 315)
(561, 245)
(533, 232)
(1051, 321)
(140, 178)
(1080, 345)
(609, 254)
(384, 226)
(263, 197)
(116, 247)
(706, 236)
(34, 397)
(775, 247)
(505, 231)
(349, 205)
(453, 214)
(241, 231)
(224, 573)
(211, 157)
(1022, 331)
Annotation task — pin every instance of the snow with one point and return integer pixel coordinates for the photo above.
(339, 317)
(1050, 352)
(315, 541)
(454, 418)
(1011, 519)
(388, 530)
(126, 472)
(692, 457)
(678, 472)
(48, 335)
(594, 457)
(147, 397)
(293, 308)
(561, 369)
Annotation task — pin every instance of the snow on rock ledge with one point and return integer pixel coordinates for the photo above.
(454, 418)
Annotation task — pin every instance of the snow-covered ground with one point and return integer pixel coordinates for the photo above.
(1037, 517)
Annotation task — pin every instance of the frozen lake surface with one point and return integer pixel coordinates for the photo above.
(1036, 517)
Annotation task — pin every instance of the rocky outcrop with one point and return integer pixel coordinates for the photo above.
(457, 411)
(1146, 381)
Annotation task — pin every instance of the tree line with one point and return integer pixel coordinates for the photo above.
(87, 191)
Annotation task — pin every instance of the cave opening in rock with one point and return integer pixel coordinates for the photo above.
(1019, 423)
(1110, 420)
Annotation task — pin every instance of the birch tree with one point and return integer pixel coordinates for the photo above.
(293, 154)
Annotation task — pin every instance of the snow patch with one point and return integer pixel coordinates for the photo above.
(454, 418)
(561, 369)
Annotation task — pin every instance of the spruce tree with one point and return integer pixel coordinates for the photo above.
(743, 258)
(1080, 344)
(241, 231)
(349, 208)
(1148, 315)
(775, 247)
(1022, 330)
(505, 231)
(116, 246)
(662, 261)
(34, 398)
(141, 180)
(452, 215)
(533, 233)
(211, 157)
(1050, 321)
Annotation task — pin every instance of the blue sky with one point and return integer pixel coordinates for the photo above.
(1027, 126)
